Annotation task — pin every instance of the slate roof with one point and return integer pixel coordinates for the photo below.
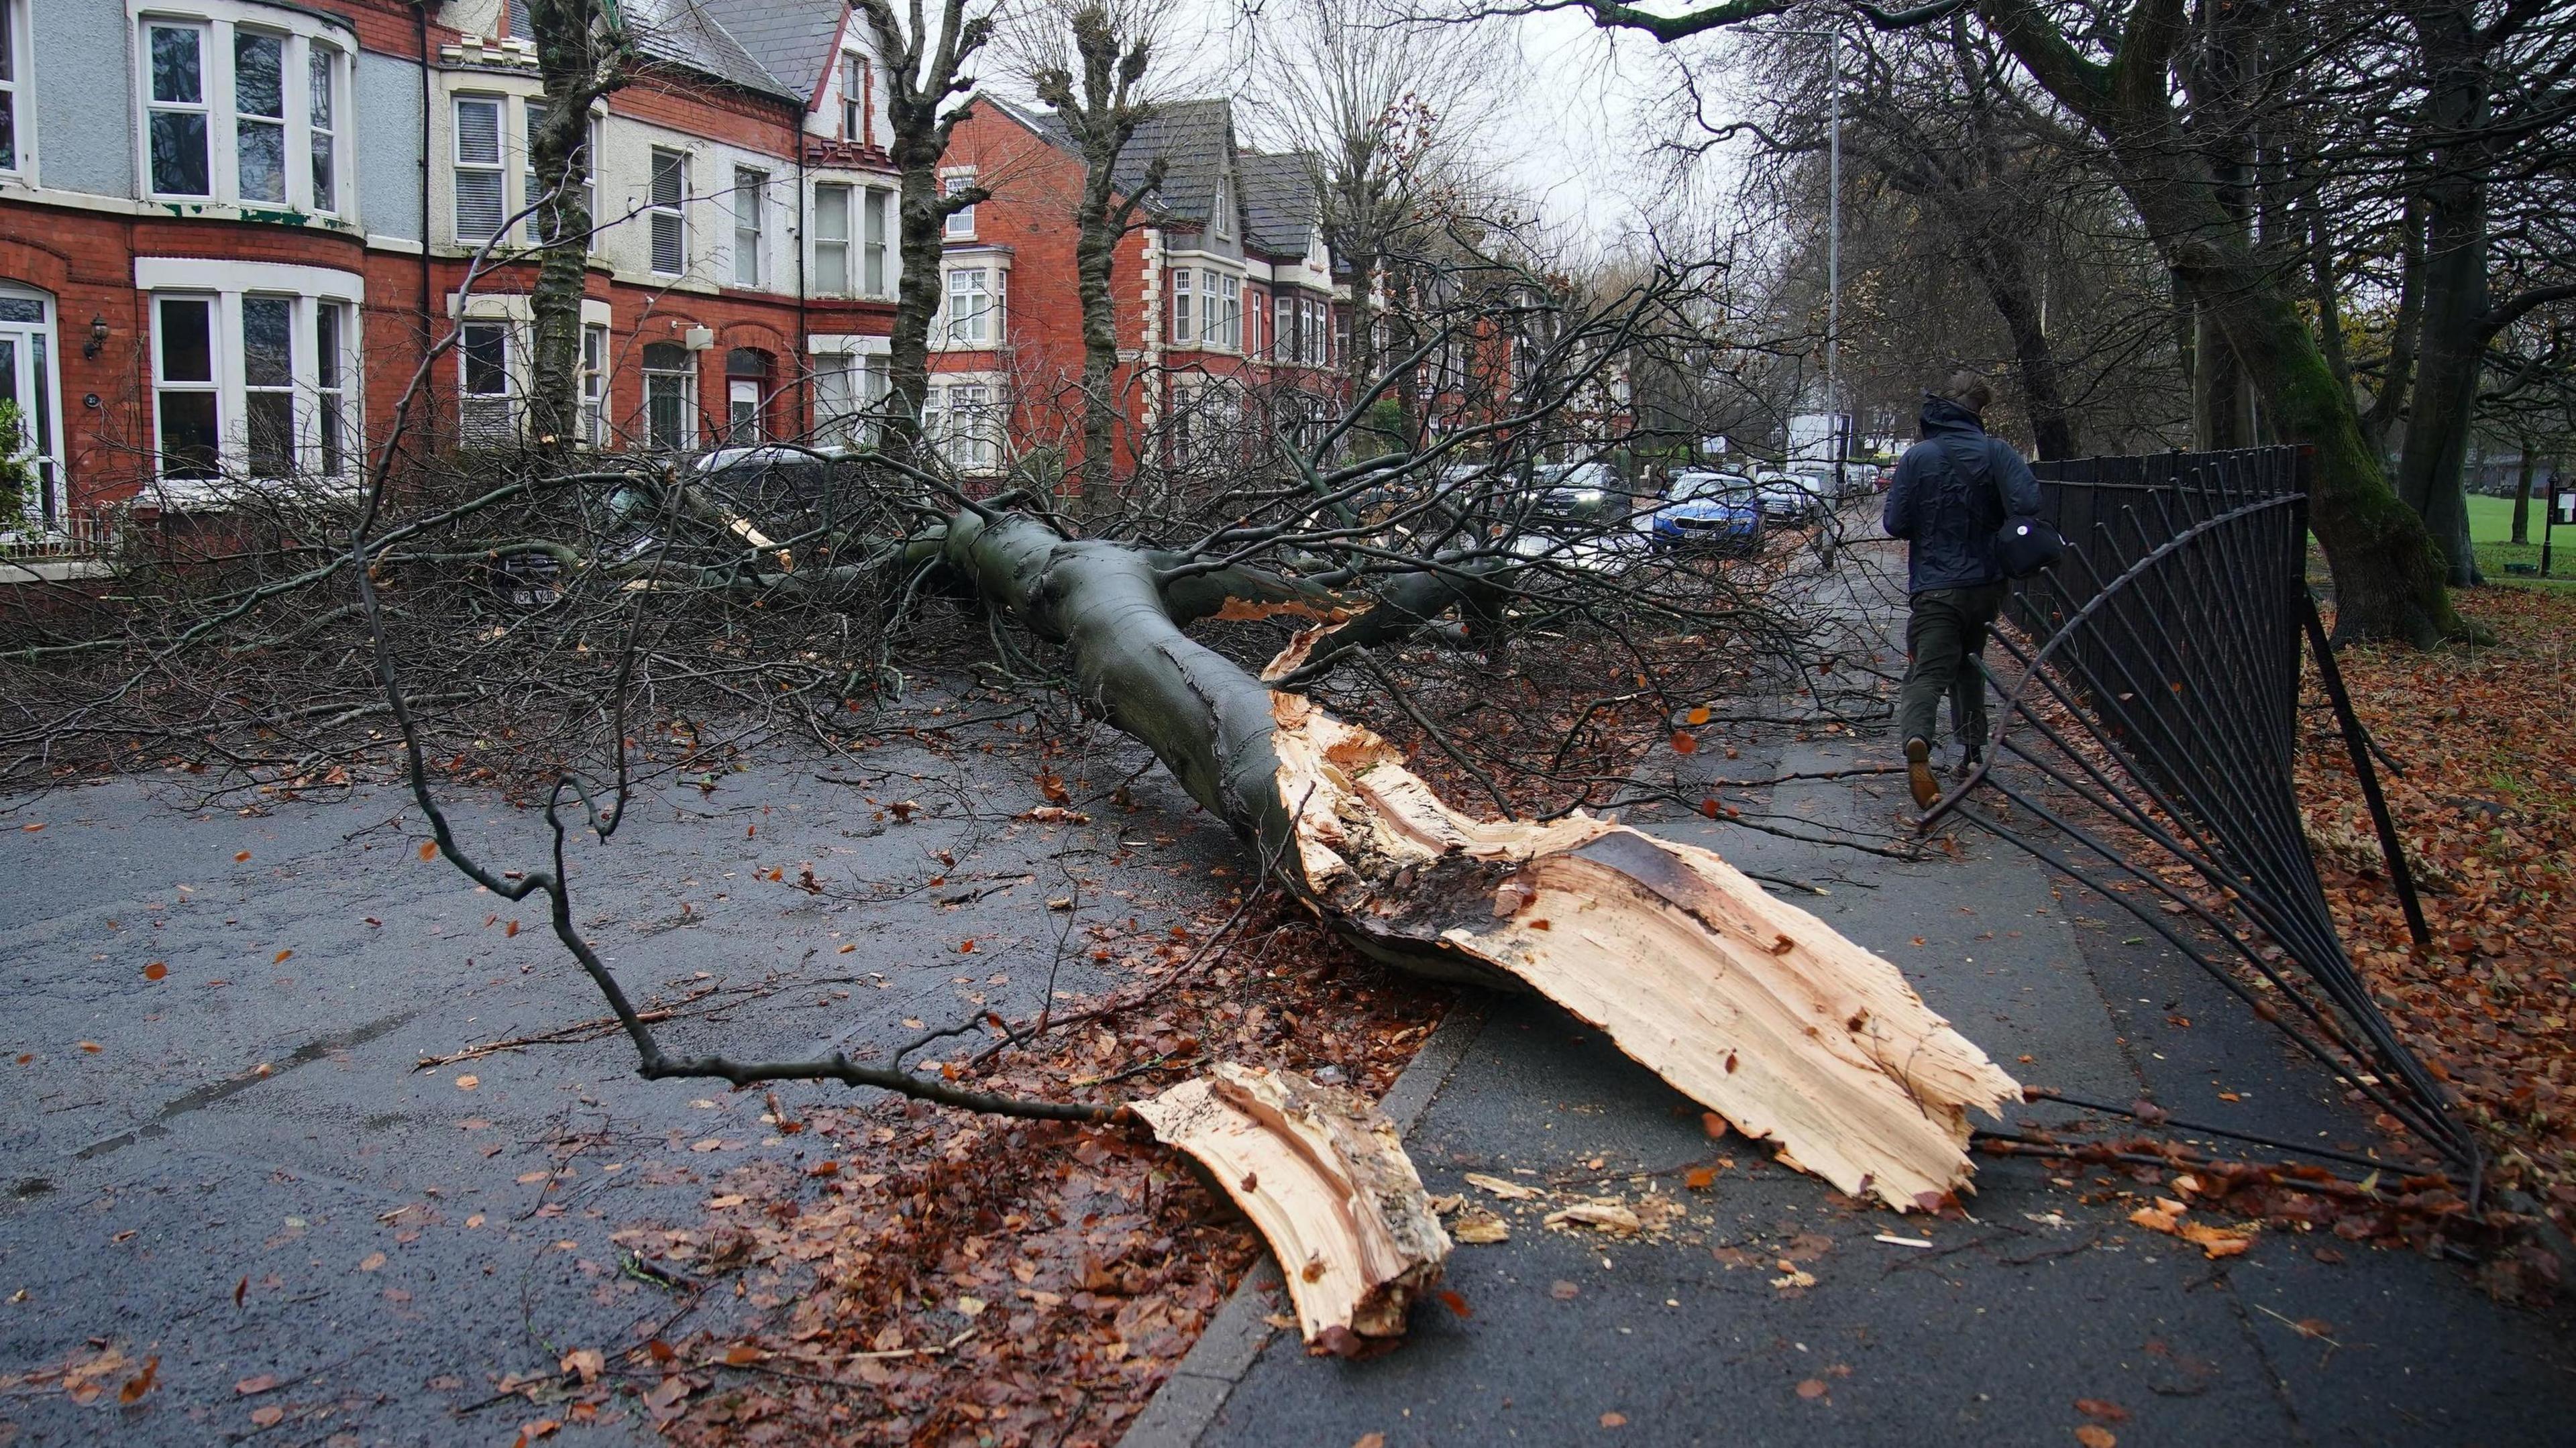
(792, 39)
(789, 40)
(1192, 138)
(1279, 202)
(1275, 194)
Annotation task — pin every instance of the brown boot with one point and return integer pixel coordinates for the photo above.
(1918, 773)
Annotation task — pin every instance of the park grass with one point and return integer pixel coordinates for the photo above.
(2491, 524)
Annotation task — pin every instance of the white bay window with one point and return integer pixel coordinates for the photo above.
(253, 369)
(972, 313)
(245, 111)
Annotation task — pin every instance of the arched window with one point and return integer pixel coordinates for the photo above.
(670, 395)
(747, 372)
(32, 437)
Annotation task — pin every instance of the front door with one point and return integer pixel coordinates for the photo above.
(742, 411)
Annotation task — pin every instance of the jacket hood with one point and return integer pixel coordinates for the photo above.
(1940, 414)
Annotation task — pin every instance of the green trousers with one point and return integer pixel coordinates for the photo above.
(1945, 633)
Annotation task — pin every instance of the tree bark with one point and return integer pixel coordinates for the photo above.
(2003, 265)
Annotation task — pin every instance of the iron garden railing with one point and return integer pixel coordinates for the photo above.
(2153, 723)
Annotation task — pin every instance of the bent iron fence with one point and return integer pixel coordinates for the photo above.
(2158, 704)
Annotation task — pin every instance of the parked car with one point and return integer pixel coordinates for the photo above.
(1588, 494)
(1702, 509)
(1789, 497)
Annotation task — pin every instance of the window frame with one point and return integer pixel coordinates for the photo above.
(16, 145)
(303, 36)
(992, 289)
(259, 393)
(829, 245)
(657, 211)
(856, 82)
(1184, 331)
(246, 121)
(322, 127)
(531, 111)
(962, 427)
(959, 225)
(878, 265)
(155, 105)
(686, 376)
(471, 432)
(163, 384)
(749, 237)
(497, 169)
(594, 384)
(317, 391)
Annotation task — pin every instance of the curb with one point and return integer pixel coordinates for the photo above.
(1195, 1393)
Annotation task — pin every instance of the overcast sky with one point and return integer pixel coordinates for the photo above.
(1573, 132)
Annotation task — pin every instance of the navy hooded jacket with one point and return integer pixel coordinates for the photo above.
(1949, 497)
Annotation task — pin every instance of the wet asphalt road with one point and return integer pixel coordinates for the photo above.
(235, 1168)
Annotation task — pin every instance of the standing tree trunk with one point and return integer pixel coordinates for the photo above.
(2452, 350)
(1101, 120)
(920, 79)
(2522, 498)
(579, 60)
(2388, 576)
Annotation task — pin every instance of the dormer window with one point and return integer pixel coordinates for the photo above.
(1224, 220)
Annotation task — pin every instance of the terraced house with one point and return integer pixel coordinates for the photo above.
(1230, 311)
(229, 230)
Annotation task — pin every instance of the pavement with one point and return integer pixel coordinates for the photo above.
(2044, 1312)
(233, 1168)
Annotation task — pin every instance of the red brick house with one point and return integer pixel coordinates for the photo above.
(1225, 293)
(222, 256)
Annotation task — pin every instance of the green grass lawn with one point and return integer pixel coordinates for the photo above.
(2491, 523)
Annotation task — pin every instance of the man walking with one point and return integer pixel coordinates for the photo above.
(1952, 491)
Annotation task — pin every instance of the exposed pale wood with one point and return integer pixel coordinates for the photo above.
(1322, 1175)
(1745, 1003)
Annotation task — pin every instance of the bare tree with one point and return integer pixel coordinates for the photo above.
(1112, 46)
(583, 56)
(925, 68)
(1388, 116)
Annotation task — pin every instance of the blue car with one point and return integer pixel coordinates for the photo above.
(1707, 510)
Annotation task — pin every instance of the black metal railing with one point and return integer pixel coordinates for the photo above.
(2156, 712)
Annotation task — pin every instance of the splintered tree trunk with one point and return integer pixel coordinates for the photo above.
(1321, 1174)
(1750, 1006)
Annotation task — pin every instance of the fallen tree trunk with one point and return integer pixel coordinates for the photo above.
(1748, 1005)
(1321, 1174)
